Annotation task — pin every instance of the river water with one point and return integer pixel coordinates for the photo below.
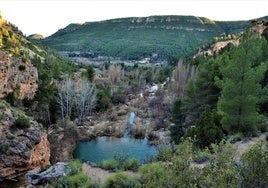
(104, 148)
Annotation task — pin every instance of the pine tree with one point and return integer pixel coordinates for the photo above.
(206, 131)
(90, 73)
(177, 117)
(240, 88)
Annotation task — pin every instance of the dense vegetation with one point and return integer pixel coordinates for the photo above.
(179, 167)
(157, 37)
(228, 96)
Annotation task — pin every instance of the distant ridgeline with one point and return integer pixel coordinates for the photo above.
(155, 37)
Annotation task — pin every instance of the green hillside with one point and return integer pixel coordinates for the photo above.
(134, 38)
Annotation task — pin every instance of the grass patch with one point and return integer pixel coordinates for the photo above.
(119, 162)
(110, 164)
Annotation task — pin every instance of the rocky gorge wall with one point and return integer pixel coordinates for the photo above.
(17, 76)
(21, 148)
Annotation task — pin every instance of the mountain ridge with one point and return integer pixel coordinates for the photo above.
(132, 38)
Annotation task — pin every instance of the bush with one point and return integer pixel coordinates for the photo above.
(21, 123)
(164, 153)
(137, 132)
(207, 130)
(254, 167)
(236, 137)
(75, 167)
(78, 180)
(3, 148)
(119, 162)
(110, 164)
(201, 156)
(121, 180)
(119, 98)
(131, 164)
(262, 127)
(154, 175)
(22, 67)
(74, 178)
(152, 136)
(221, 171)
(104, 99)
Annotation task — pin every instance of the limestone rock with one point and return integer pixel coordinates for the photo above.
(63, 143)
(21, 149)
(36, 177)
(17, 76)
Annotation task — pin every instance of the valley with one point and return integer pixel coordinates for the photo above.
(174, 97)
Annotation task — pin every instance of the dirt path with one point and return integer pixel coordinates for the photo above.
(99, 175)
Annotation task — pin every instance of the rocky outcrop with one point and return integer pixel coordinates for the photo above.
(40, 154)
(37, 177)
(17, 76)
(259, 28)
(216, 47)
(21, 148)
(63, 140)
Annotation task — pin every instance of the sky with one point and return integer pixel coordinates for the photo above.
(47, 16)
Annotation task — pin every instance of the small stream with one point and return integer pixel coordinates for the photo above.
(104, 148)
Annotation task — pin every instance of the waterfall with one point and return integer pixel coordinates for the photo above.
(131, 119)
(130, 123)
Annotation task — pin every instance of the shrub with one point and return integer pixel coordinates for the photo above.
(131, 164)
(164, 153)
(74, 178)
(104, 99)
(78, 180)
(21, 123)
(201, 156)
(75, 167)
(3, 148)
(221, 171)
(22, 67)
(110, 164)
(206, 130)
(119, 98)
(154, 175)
(121, 180)
(236, 137)
(262, 127)
(254, 167)
(137, 132)
(152, 136)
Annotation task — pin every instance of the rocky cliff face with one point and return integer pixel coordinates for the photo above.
(17, 76)
(21, 148)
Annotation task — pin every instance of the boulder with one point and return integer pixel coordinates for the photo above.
(38, 177)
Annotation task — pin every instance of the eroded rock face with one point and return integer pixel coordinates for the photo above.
(63, 143)
(17, 76)
(21, 149)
